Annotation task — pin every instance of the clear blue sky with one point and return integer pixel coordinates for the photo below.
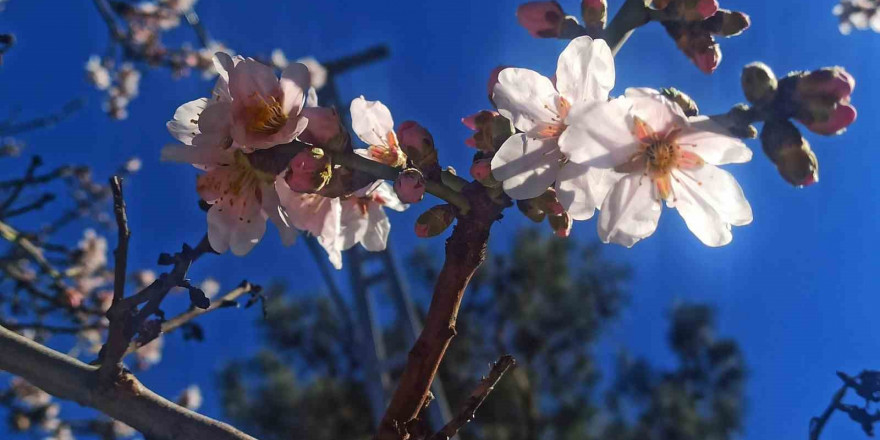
(796, 288)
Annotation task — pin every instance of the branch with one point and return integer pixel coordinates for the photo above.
(8, 129)
(131, 403)
(121, 252)
(193, 313)
(817, 424)
(469, 409)
(465, 251)
(632, 14)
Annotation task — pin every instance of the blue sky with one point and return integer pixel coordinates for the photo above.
(796, 288)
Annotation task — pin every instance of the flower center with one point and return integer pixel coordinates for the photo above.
(266, 117)
(662, 156)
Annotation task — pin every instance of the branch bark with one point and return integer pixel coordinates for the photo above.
(465, 251)
(129, 402)
(631, 15)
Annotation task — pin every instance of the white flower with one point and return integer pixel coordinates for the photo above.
(372, 122)
(528, 163)
(318, 71)
(93, 252)
(364, 220)
(97, 73)
(317, 215)
(655, 153)
(190, 398)
(210, 287)
(28, 394)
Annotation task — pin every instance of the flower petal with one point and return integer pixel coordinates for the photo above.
(525, 97)
(185, 124)
(581, 189)
(585, 71)
(720, 190)
(354, 223)
(277, 214)
(599, 134)
(713, 143)
(526, 166)
(376, 235)
(660, 113)
(700, 217)
(250, 77)
(295, 81)
(630, 212)
(371, 121)
(389, 198)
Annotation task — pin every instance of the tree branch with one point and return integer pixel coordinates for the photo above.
(469, 409)
(465, 251)
(631, 15)
(130, 403)
(121, 252)
(817, 424)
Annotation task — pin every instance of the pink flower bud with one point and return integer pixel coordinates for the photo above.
(323, 126)
(489, 127)
(435, 220)
(541, 19)
(697, 10)
(418, 144)
(831, 82)
(790, 152)
(561, 224)
(832, 120)
(73, 297)
(549, 203)
(410, 186)
(595, 13)
(481, 170)
(707, 59)
(309, 171)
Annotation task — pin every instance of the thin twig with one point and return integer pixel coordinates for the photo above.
(33, 206)
(193, 313)
(43, 121)
(121, 252)
(469, 409)
(17, 189)
(817, 424)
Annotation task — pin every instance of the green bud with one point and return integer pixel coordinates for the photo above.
(687, 104)
(759, 83)
(435, 220)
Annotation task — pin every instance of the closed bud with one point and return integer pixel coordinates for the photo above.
(323, 129)
(697, 10)
(687, 104)
(410, 186)
(829, 82)
(418, 144)
(531, 210)
(826, 118)
(733, 23)
(561, 224)
(435, 220)
(790, 152)
(594, 13)
(759, 83)
(549, 203)
(481, 171)
(541, 19)
(659, 4)
(309, 171)
(491, 129)
(697, 43)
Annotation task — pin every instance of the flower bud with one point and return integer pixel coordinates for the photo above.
(730, 23)
(790, 152)
(561, 224)
(410, 186)
(541, 19)
(548, 203)
(697, 10)
(659, 4)
(481, 171)
(687, 104)
(594, 13)
(324, 125)
(697, 43)
(491, 128)
(829, 119)
(435, 220)
(530, 210)
(418, 144)
(831, 82)
(759, 83)
(309, 171)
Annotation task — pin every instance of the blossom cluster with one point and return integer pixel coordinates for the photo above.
(240, 136)
(858, 14)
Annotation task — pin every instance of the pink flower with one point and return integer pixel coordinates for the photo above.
(309, 171)
(541, 19)
(265, 110)
(324, 125)
(317, 215)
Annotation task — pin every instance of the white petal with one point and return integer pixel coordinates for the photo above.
(277, 214)
(712, 142)
(295, 81)
(354, 224)
(219, 230)
(525, 97)
(720, 190)
(246, 234)
(185, 124)
(661, 114)
(389, 198)
(599, 134)
(376, 235)
(629, 212)
(581, 189)
(585, 71)
(224, 64)
(700, 217)
(312, 98)
(526, 166)
(371, 121)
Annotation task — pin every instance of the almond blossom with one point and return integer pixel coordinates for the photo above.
(373, 124)
(655, 153)
(529, 162)
(363, 217)
(317, 215)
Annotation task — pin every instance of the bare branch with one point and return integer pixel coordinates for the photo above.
(121, 252)
(129, 402)
(469, 409)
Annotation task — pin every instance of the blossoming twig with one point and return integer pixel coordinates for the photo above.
(473, 402)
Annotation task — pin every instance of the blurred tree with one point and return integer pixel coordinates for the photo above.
(546, 301)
